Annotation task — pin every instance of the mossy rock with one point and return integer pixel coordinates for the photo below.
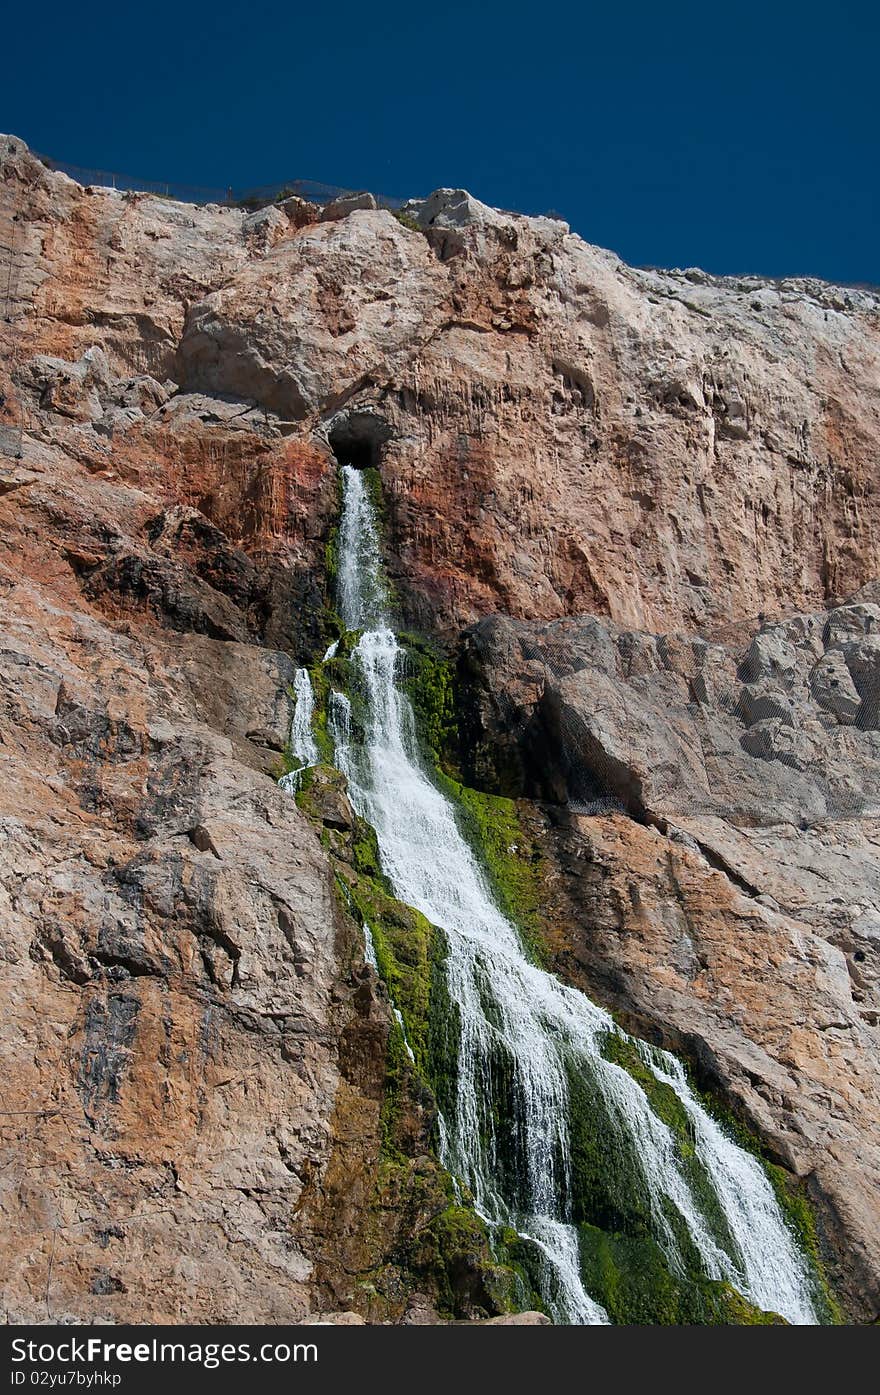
(429, 682)
(323, 795)
(490, 823)
(431, 1241)
(622, 1050)
(794, 1203)
(513, 864)
(632, 1280)
(444, 1243)
(406, 220)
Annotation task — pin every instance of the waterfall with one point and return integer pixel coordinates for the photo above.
(302, 743)
(363, 599)
(521, 1030)
(775, 1283)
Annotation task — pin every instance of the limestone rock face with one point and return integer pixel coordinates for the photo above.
(176, 977)
(568, 433)
(651, 499)
(170, 945)
(180, 986)
(783, 729)
(347, 203)
(722, 893)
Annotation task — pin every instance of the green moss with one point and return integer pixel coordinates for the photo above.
(303, 789)
(793, 1201)
(626, 1268)
(429, 683)
(456, 1243)
(403, 941)
(365, 853)
(800, 1216)
(331, 560)
(442, 1247)
(513, 863)
(396, 1079)
(406, 220)
(490, 823)
(445, 1245)
(664, 1101)
(373, 480)
(321, 690)
(631, 1278)
(285, 763)
(666, 1104)
(607, 1184)
(624, 1248)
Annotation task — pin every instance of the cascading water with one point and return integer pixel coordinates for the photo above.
(303, 748)
(524, 1034)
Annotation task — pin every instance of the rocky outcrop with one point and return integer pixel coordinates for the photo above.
(568, 433)
(710, 819)
(171, 944)
(194, 1047)
(196, 1054)
(780, 727)
(625, 467)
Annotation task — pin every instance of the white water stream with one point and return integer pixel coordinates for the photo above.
(303, 747)
(521, 1026)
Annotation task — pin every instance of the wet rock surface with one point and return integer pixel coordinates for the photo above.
(722, 895)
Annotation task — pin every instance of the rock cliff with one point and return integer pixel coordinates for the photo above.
(710, 818)
(640, 509)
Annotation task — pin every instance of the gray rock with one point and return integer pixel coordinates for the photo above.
(848, 624)
(832, 686)
(771, 656)
(70, 389)
(760, 702)
(774, 739)
(348, 203)
(579, 710)
(863, 662)
(527, 1319)
(265, 226)
(452, 208)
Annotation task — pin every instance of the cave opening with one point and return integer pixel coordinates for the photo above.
(357, 439)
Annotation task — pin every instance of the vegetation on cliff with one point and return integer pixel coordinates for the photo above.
(640, 1263)
(420, 1232)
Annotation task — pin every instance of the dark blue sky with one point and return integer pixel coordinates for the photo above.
(737, 137)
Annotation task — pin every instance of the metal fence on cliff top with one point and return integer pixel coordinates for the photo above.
(312, 190)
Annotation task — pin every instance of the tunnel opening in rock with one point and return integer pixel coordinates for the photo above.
(357, 439)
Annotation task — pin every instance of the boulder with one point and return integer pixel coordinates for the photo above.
(345, 204)
(832, 686)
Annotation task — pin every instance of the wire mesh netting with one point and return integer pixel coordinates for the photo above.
(312, 190)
